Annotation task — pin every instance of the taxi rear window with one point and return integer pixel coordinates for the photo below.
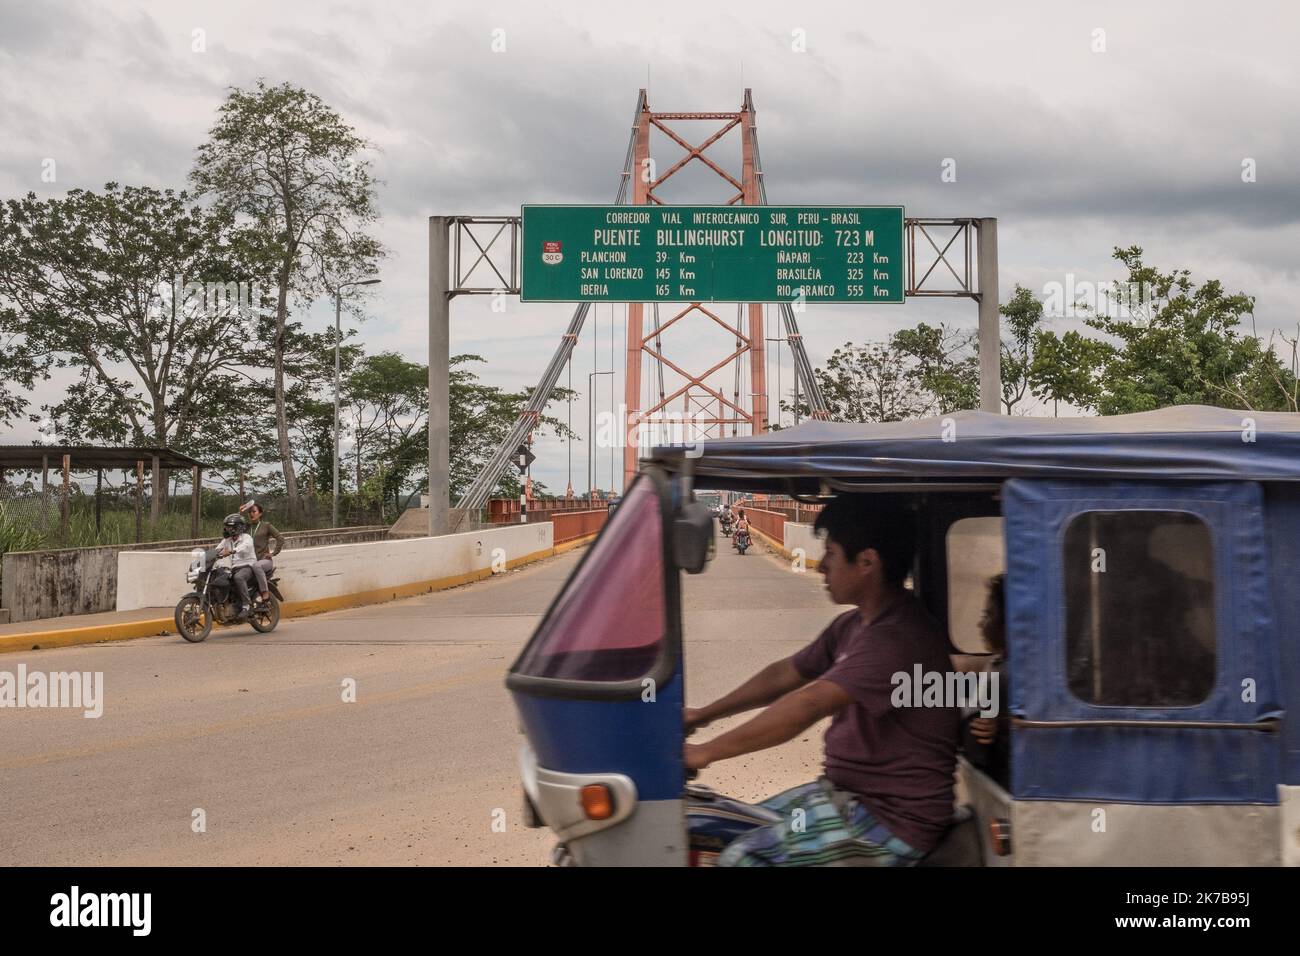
(609, 622)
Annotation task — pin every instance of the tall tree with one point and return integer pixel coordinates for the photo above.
(295, 172)
(1177, 342)
(142, 293)
(1066, 369)
(945, 365)
(1022, 319)
(921, 371)
(20, 366)
(388, 401)
(481, 416)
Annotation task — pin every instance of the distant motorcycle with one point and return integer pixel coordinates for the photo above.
(215, 598)
(727, 524)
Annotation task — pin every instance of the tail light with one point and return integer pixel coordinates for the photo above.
(1000, 837)
(597, 801)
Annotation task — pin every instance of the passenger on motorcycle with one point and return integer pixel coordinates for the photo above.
(263, 533)
(237, 544)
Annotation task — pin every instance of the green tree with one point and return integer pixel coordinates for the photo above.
(945, 365)
(1065, 369)
(388, 401)
(144, 295)
(1022, 319)
(481, 417)
(1176, 342)
(915, 372)
(295, 174)
(20, 366)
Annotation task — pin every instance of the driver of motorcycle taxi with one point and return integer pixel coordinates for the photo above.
(237, 544)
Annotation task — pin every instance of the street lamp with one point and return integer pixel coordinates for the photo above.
(338, 337)
(591, 426)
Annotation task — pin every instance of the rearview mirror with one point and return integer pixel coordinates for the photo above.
(692, 536)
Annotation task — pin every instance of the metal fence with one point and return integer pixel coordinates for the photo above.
(115, 514)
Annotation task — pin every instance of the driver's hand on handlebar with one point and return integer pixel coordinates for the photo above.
(693, 719)
(695, 756)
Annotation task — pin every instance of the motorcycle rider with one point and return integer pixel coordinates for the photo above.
(742, 526)
(237, 544)
(726, 520)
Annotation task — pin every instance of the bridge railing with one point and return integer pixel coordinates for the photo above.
(793, 510)
(770, 523)
(572, 525)
(502, 510)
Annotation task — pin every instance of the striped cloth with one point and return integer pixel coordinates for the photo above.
(810, 825)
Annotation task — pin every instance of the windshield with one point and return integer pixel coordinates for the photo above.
(609, 622)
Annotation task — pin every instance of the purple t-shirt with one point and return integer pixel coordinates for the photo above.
(900, 761)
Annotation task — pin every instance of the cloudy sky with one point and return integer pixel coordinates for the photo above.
(1080, 129)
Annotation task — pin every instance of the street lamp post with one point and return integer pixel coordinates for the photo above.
(591, 427)
(338, 337)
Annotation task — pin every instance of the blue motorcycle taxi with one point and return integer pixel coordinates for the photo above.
(1152, 632)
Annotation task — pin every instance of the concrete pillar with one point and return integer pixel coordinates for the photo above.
(990, 338)
(439, 374)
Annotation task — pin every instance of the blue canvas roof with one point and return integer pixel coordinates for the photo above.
(1182, 442)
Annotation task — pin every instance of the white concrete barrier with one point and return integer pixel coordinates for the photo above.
(802, 536)
(320, 579)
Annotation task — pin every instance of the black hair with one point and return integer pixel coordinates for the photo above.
(997, 598)
(858, 522)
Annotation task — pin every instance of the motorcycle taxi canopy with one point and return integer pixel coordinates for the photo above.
(1181, 442)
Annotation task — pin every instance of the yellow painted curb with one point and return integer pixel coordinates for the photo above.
(575, 543)
(67, 637)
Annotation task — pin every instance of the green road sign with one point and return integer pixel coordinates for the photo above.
(848, 254)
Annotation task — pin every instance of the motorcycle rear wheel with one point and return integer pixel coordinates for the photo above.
(265, 619)
(192, 623)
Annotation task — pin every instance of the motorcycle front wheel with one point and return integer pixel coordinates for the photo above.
(265, 619)
(192, 622)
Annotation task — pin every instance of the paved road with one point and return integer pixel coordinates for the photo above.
(254, 731)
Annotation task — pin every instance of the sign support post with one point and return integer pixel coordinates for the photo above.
(439, 375)
(990, 340)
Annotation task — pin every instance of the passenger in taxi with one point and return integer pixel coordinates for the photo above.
(987, 740)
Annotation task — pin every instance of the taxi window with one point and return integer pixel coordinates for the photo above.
(608, 623)
(976, 554)
(1139, 608)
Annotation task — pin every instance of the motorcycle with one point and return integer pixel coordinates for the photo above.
(742, 541)
(727, 524)
(215, 598)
